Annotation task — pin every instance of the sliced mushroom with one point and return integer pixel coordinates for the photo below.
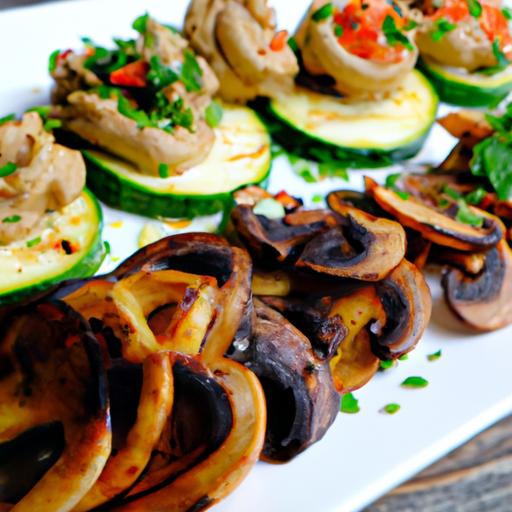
(52, 374)
(355, 199)
(483, 301)
(407, 302)
(436, 226)
(470, 126)
(301, 400)
(470, 262)
(271, 239)
(363, 247)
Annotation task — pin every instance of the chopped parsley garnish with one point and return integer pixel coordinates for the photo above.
(450, 192)
(52, 61)
(42, 110)
(349, 404)
(502, 62)
(410, 25)
(126, 108)
(404, 357)
(476, 196)
(11, 220)
(414, 382)
(326, 11)
(393, 35)
(191, 72)
(213, 114)
(52, 124)
(442, 27)
(7, 169)
(34, 242)
(317, 198)
(466, 216)
(391, 408)
(435, 356)
(160, 76)
(386, 365)
(338, 30)
(507, 12)
(108, 249)
(292, 43)
(391, 181)
(5, 119)
(475, 8)
(140, 24)
(163, 170)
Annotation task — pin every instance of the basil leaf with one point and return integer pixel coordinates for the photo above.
(326, 11)
(213, 114)
(393, 35)
(7, 169)
(349, 404)
(414, 382)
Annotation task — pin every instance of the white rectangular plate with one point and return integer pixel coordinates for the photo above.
(363, 455)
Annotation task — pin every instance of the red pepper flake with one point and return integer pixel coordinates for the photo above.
(279, 41)
(131, 75)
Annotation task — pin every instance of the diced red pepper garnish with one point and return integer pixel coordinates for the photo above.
(131, 75)
(279, 41)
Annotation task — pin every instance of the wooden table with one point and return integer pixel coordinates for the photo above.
(474, 478)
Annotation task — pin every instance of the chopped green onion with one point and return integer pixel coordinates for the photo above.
(317, 198)
(501, 60)
(42, 110)
(34, 242)
(108, 249)
(338, 30)
(475, 8)
(52, 124)
(466, 216)
(52, 61)
(11, 220)
(507, 12)
(386, 365)
(391, 181)
(191, 72)
(414, 382)
(450, 192)
(391, 408)
(213, 114)
(326, 11)
(349, 404)
(163, 170)
(442, 27)
(404, 357)
(269, 208)
(476, 196)
(5, 119)
(393, 35)
(435, 356)
(7, 169)
(410, 25)
(292, 43)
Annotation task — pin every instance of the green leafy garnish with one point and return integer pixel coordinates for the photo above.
(125, 108)
(414, 382)
(163, 170)
(191, 72)
(140, 23)
(393, 35)
(349, 404)
(390, 183)
(386, 365)
(442, 27)
(317, 198)
(338, 30)
(34, 242)
(435, 356)
(502, 62)
(108, 249)
(269, 208)
(52, 124)
(326, 11)
(52, 61)
(450, 192)
(404, 357)
(213, 114)
(391, 408)
(507, 12)
(475, 8)
(5, 119)
(11, 220)
(476, 196)
(7, 169)
(410, 25)
(160, 76)
(332, 170)
(42, 110)
(292, 43)
(466, 216)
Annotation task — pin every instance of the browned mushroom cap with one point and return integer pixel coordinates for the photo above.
(436, 226)
(362, 247)
(483, 301)
(53, 399)
(357, 200)
(271, 239)
(470, 126)
(301, 400)
(407, 302)
(470, 262)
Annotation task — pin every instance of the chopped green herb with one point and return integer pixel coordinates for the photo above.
(391, 181)
(450, 192)
(307, 175)
(317, 198)
(11, 220)
(349, 404)
(475, 8)
(414, 382)
(466, 216)
(338, 30)
(386, 365)
(149, 40)
(269, 208)
(442, 27)
(391, 408)
(160, 76)
(127, 109)
(213, 114)
(476, 196)
(393, 35)
(52, 61)
(326, 11)
(191, 72)
(34, 242)
(404, 357)
(52, 124)
(435, 356)
(163, 170)
(42, 110)
(5, 119)
(507, 12)
(7, 169)
(292, 43)
(140, 24)
(108, 249)
(410, 25)
(502, 62)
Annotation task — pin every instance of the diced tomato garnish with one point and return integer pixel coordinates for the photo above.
(131, 75)
(279, 41)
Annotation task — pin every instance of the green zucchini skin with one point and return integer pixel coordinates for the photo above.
(86, 266)
(301, 143)
(464, 94)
